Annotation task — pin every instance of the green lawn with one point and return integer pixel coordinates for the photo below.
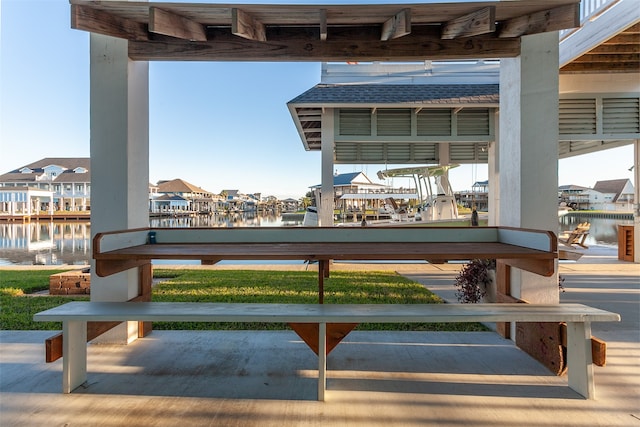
(18, 306)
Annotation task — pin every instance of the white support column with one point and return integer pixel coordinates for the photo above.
(444, 156)
(119, 159)
(636, 201)
(325, 210)
(493, 170)
(528, 151)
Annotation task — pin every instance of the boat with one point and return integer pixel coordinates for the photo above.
(432, 205)
(310, 217)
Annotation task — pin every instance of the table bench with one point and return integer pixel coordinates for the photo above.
(116, 251)
(75, 315)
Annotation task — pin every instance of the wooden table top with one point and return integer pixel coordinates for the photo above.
(326, 251)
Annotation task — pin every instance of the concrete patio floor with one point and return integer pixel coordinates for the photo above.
(242, 378)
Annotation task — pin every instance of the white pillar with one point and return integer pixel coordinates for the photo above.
(493, 170)
(636, 201)
(119, 119)
(325, 210)
(444, 156)
(528, 151)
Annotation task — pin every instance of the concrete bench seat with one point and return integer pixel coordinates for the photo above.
(75, 315)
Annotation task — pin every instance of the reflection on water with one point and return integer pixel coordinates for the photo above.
(56, 243)
(602, 231)
(45, 243)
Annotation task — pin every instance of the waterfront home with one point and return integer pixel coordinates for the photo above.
(50, 184)
(179, 195)
(612, 195)
(609, 195)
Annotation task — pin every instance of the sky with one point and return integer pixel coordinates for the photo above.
(217, 125)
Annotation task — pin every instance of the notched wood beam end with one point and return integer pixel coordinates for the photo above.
(397, 26)
(556, 19)
(482, 21)
(100, 22)
(323, 24)
(246, 26)
(171, 24)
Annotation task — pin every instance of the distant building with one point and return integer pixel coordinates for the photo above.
(478, 196)
(346, 184)
(180, 196)
(574, 197)
(50, 184)
(240, 202)
(612, 195)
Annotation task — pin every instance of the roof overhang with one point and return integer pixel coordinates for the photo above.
(378, 32)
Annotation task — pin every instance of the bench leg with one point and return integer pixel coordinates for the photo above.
(74, 351)
(579, 361)
(322, 360)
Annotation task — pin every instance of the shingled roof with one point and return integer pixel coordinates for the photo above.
(37, 168)
(371, 94)
(179, 186)
(613, 186)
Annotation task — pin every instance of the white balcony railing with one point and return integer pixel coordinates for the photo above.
(589, 10)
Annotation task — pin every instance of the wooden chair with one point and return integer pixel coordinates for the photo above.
(577, 236)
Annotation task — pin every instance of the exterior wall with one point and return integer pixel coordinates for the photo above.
(599, 83)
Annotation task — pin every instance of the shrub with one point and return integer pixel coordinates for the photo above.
(472, 281)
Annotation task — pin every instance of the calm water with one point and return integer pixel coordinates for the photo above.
(56, 243)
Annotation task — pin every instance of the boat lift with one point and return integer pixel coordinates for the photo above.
(433, 206)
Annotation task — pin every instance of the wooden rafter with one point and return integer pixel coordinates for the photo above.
(482, 21)
(101, 22)
(323, 24)
(559, 18)
(398, 25)
(170, 24)
(246, 26)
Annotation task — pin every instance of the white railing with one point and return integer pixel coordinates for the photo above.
(589, 9)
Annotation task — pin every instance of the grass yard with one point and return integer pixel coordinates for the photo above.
(18, 305)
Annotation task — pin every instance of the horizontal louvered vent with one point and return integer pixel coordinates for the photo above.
(398, 153)
(424, 153)
(435, 122)
(473, 121)
(463, 152)
(620, 115)
(577, 116)
(355, 121)
(394, 122)
(346, 152)
(372, 152)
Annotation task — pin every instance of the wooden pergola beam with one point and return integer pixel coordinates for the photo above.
(342, 44)
(101, 22)
(482, 21)
(559, 18)
(246, 26)
(173, 25)
(398, 25)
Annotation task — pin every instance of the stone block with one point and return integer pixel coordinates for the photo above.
(70, 283)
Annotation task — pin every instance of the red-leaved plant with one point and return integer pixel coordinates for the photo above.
(472, 281)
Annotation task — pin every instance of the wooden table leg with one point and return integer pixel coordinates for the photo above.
(321, 266)
(580, 367)
(322, 361)
(74, 362)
